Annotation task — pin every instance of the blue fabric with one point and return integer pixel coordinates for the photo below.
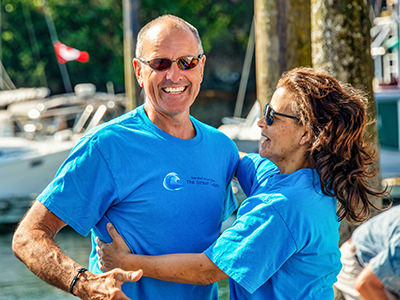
(284, 243)
(163, 194)
(378, 242)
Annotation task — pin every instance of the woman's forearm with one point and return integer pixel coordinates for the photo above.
(192, 268)
(183, 268)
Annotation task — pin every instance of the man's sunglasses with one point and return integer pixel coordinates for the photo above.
(269, 115)
(184, 62)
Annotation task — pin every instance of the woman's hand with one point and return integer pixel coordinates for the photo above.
(112, 255)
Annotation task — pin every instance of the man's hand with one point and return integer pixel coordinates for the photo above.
(104, 286)
(112, 255)
(34, 245)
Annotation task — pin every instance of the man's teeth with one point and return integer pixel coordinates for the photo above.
(174, 90)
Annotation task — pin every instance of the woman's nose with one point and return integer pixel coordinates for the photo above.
(261, 122)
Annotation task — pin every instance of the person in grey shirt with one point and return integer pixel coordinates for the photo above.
(371, 259)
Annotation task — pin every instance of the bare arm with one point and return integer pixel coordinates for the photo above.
(369, 286)
(34, 245)
(193, 268)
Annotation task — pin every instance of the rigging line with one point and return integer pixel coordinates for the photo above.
(5, 79)
(34, 42)
(54, 39)
(5, 82)
(4, 85)
(245, 72)
(1, 42)
(50, 22)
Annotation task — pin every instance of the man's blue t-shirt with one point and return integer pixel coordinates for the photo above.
(378, 242)
(284, 243)
(163, 194)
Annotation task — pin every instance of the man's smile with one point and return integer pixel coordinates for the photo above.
(174, 90)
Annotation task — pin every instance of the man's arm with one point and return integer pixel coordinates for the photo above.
(34, 245)
(192, 268)
(369, 286)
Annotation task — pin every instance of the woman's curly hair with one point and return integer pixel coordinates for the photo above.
(336, 114)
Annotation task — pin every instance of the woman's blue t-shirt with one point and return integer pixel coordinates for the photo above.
(284, 243)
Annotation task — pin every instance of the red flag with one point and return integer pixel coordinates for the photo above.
(65, 54)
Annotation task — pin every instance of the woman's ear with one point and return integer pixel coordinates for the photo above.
(306, 138)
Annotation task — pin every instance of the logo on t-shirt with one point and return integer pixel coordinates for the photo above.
(172, 182)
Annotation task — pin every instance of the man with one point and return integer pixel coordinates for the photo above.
(159, 175)
(371, 259)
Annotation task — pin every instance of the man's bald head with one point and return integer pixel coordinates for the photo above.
(165, 20)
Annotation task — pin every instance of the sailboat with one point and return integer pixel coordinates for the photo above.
(36, 136)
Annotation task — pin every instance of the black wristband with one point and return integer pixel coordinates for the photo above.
(76, 277)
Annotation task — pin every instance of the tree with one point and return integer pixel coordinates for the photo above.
(96, 26)
(341, 46)
(282, 42)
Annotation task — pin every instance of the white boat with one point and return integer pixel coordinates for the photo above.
(36, 136)
(26, 167)
(244, 131)
(23, 94)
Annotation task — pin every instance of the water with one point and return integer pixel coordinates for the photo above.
(18, 283)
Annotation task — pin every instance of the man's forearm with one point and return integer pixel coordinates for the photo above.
(34, 245)
(369, 286)
(36, 248)
(45, 259)
(371, 293)
(183, 268)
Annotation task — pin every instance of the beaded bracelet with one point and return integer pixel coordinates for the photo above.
(76, 277)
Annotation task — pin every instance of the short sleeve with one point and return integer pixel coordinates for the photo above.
(253, 171)
(252, 250)
(230, 204)
(246, 174)
(386, 265)
(83, 188)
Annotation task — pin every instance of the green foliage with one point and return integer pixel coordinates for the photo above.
(221, 24)
(96, 26)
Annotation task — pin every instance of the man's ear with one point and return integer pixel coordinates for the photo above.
(202, 64)
(138, 71)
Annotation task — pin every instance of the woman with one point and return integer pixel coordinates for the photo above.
(284, 243)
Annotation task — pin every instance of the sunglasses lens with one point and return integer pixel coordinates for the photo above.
(160, 63)
(184, 63)
(269, 115)
(187, 62)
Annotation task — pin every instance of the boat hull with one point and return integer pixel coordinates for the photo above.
(23, 178)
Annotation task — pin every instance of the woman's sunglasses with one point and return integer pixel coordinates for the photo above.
(269, 115)
(184, 62)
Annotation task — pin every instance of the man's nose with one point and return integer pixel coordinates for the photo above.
(174, 73)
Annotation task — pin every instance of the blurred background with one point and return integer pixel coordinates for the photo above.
(96, 26)
(65, 66)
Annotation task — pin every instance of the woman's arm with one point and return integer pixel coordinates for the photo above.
(192, 268)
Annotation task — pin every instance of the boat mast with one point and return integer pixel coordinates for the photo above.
(5, 81)
(131, 28)
(54, 39)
